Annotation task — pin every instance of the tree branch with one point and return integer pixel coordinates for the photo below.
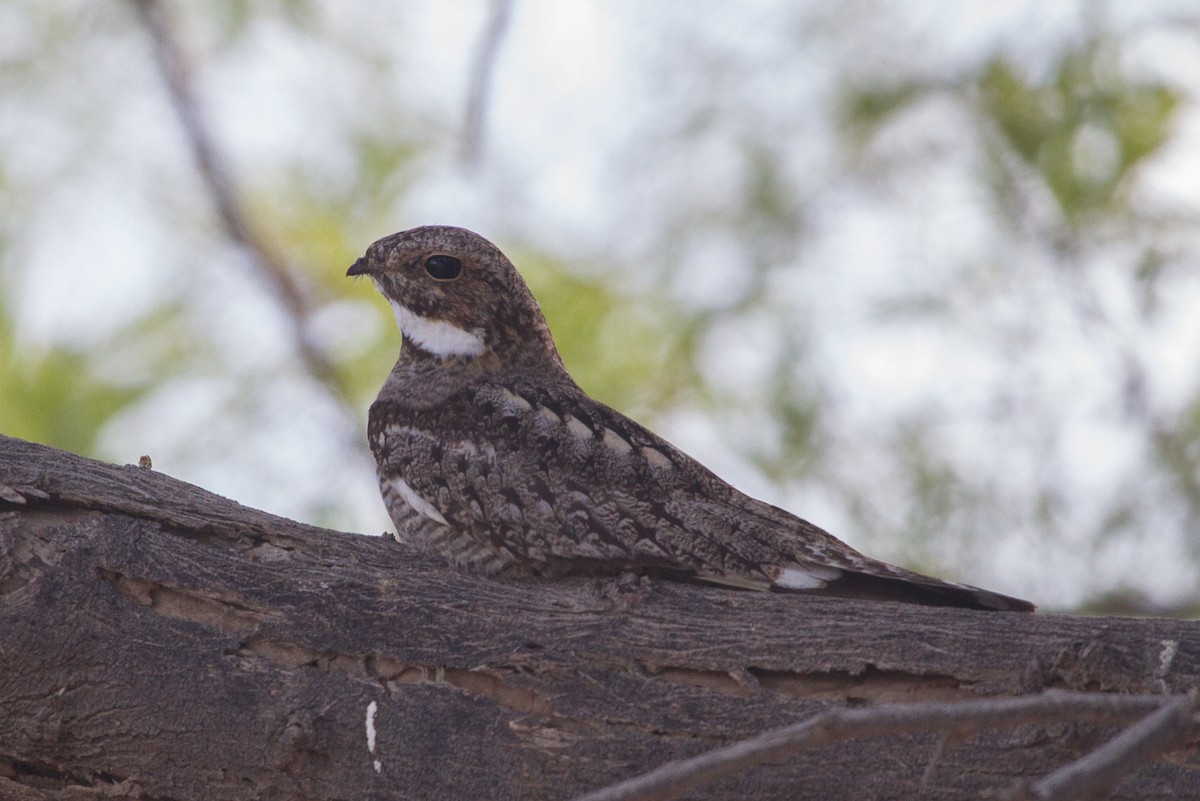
(158, 641)
(967, 717)
(1095, 774)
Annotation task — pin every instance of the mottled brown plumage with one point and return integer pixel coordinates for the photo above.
(490, 455)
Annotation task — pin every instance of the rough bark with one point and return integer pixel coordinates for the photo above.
(161, 642)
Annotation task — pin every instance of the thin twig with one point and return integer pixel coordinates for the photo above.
(1096, 773)
(215, 171)
(932, 765)
(675, 778)
(471, 146)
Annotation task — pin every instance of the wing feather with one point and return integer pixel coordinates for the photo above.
(544, 476)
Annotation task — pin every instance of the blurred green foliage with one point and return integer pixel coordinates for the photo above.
(635, 352)
(50, 397)
(1084, 128)
(1079, 130)
(1177, 449)
(61, 396)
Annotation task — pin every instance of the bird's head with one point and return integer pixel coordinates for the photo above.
(456, 296)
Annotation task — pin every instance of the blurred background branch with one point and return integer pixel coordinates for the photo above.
(284, 281)
(474, 118)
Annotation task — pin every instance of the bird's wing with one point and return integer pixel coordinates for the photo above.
(553, 476)
(547, 475)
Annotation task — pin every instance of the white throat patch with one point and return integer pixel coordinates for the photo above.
(437, 336)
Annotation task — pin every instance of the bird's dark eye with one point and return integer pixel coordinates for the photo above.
(442, 267)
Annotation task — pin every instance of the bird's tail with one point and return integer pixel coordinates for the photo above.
(911, 587)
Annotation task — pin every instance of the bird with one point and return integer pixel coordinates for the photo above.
(490, 456)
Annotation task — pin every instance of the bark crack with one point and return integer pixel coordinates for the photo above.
(230, 616)
(43, 776)
(224, 614)
(865, 684)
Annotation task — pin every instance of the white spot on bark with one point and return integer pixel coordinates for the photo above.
(372, 708)
(1165, 657)
(578, 427)
(419, 504)
(438, 337)
(616, 442)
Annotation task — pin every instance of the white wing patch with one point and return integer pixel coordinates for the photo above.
(578, 428)
(656, 458)
(805, 578)
(514, 401)
(438, 336)
(414, 500)
(616, 442)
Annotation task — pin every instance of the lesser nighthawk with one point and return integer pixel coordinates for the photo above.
(491, 456)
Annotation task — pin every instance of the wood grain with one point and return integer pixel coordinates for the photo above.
(158, 641)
